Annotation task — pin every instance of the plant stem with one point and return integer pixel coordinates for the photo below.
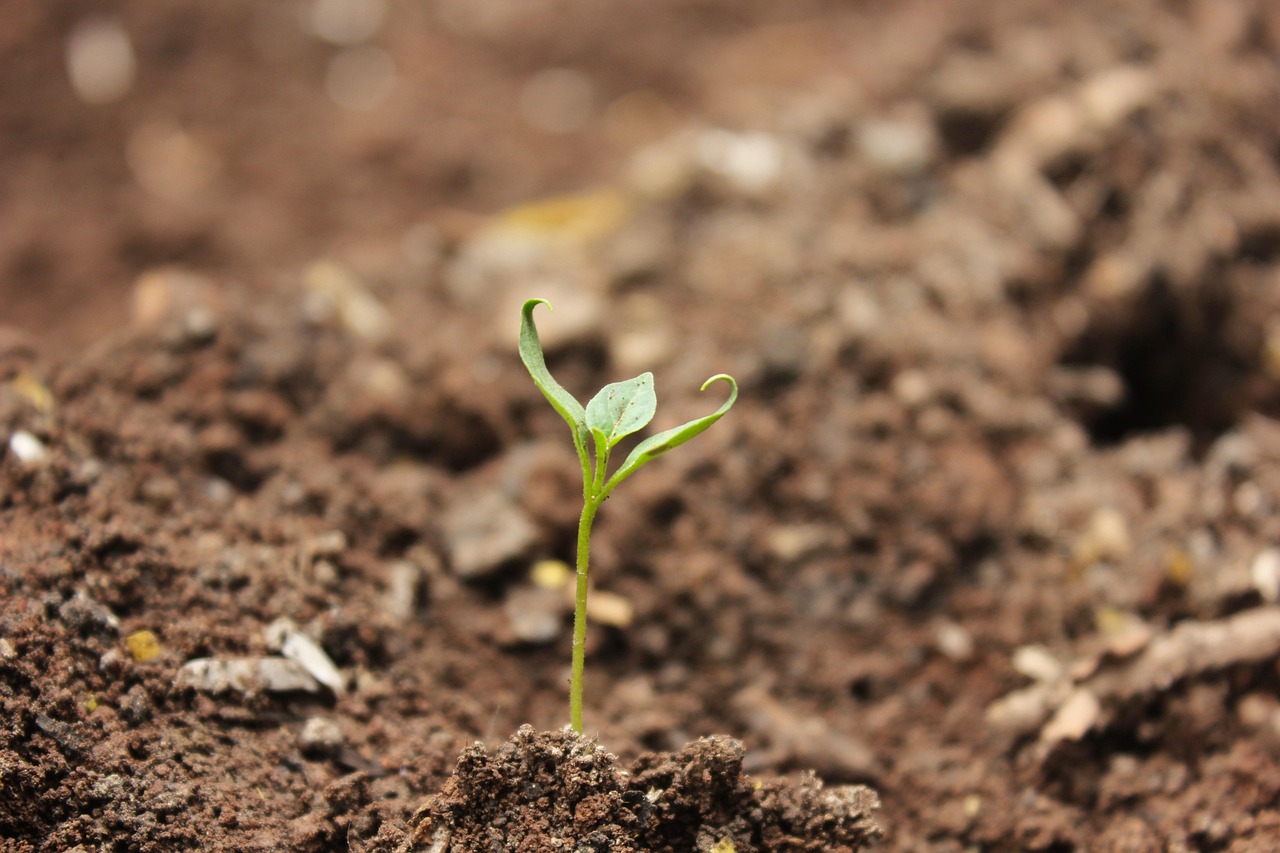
(589, 507)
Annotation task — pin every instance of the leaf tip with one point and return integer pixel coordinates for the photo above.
(530, 304)
(726, 377)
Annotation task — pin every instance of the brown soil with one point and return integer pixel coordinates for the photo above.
(991, 530)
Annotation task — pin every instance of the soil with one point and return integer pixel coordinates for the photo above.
(985, 555)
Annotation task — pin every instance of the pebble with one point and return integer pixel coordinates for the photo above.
(142, 645)
(551, 574)
(30, 388)
(535, 615)
(404, 586)
(1106, 538)
(334, 290)
(1074, 718)
(1096, 386)
(331, 543)
(899, 147)
(246, 675)
(1037, 663)
(634, 350)
(954, 641)
(27, 448)
(911, 387)
(100, 59)
(345, 22)
(750, 162)
(307, 653)
(1260, 712)
(484, 532)
(788, 543)
(82, 614)
(1264, 571)
(320, 736)
(610, 608)
(171, 163)
(175, 296)
(63, 732)
(135, 707)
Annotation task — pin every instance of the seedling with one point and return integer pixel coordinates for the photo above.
(617, 411)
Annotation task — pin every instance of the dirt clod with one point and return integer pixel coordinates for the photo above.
(558, 790)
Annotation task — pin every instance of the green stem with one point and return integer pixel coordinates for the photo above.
(589, 507)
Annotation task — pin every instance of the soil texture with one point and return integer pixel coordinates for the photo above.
(985, 558)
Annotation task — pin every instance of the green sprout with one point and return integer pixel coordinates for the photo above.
(617, 411)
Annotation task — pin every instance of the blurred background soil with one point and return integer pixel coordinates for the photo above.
(992, 529)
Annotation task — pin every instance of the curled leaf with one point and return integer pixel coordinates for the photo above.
(560, 399)
(659, 444)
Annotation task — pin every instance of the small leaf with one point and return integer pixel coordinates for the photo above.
(622, 408)
(659, 444)
(531, 354)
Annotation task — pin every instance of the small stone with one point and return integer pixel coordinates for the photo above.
(1107, 538)
(84, 615)
(308, 654)
(62, 732)
(911, 387)
(551, 574)
(1264, 571)
(485, 532)
(635, 349)
(110, 787)
(1074, 719)
(535, 615)
(610, 608)
(331, 543)
(897, 146)
(1096, 387)
(335, 290)
(791, 542)
(1250, 501)
(320, 737)
(316, 555)
(1037, 663)
(100, 59)
(142, 645)
(278, 631)
(171, 163)
(954, 641)
(30, 388)
(404, 585)
(1125, 634)
(384, 381)
(135, 708)
(7, 649)
(112, 663)
(1110, 96)
(246, 675)
(345, 22)
(1261, 713)
(750, 162)
(27, 448)
(324, 573)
